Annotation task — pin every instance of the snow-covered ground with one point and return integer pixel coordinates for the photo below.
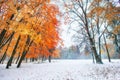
(63, 70)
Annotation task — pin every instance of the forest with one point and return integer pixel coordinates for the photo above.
(31, 31)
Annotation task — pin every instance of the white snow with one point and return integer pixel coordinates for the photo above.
(63, 70)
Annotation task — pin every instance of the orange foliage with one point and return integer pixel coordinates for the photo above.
(56, 54)
(36, 18)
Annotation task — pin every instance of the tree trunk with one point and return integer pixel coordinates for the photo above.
(3, 58)
(99, 47)
(93, 58)
(116, 44)
(97, 57)
(2, 34)
(18, 58)
(5, 41)
(21, 59)
(49, 58)
(26, 49)
(33, 59)
(13, 53)
(4, 55)
(92, 43)
(107, 48)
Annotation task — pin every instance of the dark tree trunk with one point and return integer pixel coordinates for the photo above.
(4, 55)
(92, 42)
(116, 44)
(107, 48)
(33, 59)
(93, 58)
(99, 47)
(49, 58)
(2, 34)
(3, 58)
(99, 38)
(21, 58)
(13, 53)
(26, 48)
(5, 41)
(18, 58)
(97, 57)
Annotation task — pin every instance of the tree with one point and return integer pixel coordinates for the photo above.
(36, 20)
(79, 10)
(113, 20)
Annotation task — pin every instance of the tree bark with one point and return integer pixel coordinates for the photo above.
(97, 58)
(93, 48)
(107, 48)
(2, 34)
(49, 58)
(21, 58)
(4, 55)
(116, 44)
(99, 47)
(13, 53)
(92, 43)
(3, 58)
(5, 41)
(18, 58)
(26, 48)
(33, 59)
(93, 58)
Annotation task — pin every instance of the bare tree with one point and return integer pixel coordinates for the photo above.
(78, 11)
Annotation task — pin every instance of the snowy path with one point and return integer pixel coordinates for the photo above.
(63, 70)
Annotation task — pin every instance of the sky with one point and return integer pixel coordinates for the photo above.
(66, 36)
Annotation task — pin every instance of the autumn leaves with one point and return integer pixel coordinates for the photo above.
(30, 29)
